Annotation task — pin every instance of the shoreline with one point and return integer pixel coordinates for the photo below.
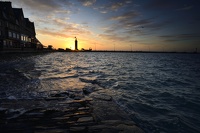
(98, 113)
(19, 51)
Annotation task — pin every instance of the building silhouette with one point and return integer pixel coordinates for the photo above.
(76, 44)
(16, 31)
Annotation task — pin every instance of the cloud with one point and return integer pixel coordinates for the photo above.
(108, 30)
(63, 28)
(70, 31)
(45, 6)
(53, 13)
(113, 6)
(185, 8)
(129, 23)
(180, 37)
(71, 27)
(112, 37)
(116, 6)
(63, 11)
(87, 2)
(53, 33)
(126, 16)
(41, 5)
(104, 12)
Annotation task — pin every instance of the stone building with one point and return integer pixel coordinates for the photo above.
(16, 31)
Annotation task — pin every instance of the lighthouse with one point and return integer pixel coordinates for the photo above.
(76, 44)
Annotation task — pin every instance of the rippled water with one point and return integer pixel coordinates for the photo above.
(160, 91)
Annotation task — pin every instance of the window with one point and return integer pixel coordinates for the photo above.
(26, 38)
(0, 23)
(10, 34)
(0, 33)
(10, 43)
(4, 42)
(14, 35)
(22, 37)
(17, 22)
(17, 36)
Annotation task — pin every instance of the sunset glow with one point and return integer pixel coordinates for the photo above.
(115, 24)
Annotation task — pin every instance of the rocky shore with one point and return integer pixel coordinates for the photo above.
(65, 113)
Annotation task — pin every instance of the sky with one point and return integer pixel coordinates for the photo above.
(137, 25)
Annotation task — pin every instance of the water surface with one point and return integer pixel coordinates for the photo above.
(160, 91)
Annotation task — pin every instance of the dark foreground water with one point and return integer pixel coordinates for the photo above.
(161, 92)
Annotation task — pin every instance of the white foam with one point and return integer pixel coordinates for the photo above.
(16, 112)
(12, 98)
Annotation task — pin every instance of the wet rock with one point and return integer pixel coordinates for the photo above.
(51, 131)
(81, 102)
(102, 97)
(117, 122)
(78, 105)
(78, 129)
(55, 98)
(83, 108)
(92, 81)
(61, 118)
(128, 128)
(71, 95)
(108, 110)
(50, 112)
(3, 94)
(85, 119)
(58, 95)
(113, 126)
(88, 90)
(97, 114)
(111, 130)
(78, 97)
(14, 113)
(82, 113)
(35, 114)
(3, 111)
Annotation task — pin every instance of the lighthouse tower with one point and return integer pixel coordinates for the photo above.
(76, 44)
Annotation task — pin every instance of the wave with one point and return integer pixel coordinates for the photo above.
(59, 77)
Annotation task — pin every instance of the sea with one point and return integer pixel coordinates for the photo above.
(159, 91)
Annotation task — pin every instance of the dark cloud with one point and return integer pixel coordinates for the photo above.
(130, 23)
(180, 37)
(113, 37)
(185, 8)
(46, 6)
(158, 25)
(133, 27)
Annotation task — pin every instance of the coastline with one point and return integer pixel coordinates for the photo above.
(98, 113)
(93, 111)
(7, 55)
(19, 51)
